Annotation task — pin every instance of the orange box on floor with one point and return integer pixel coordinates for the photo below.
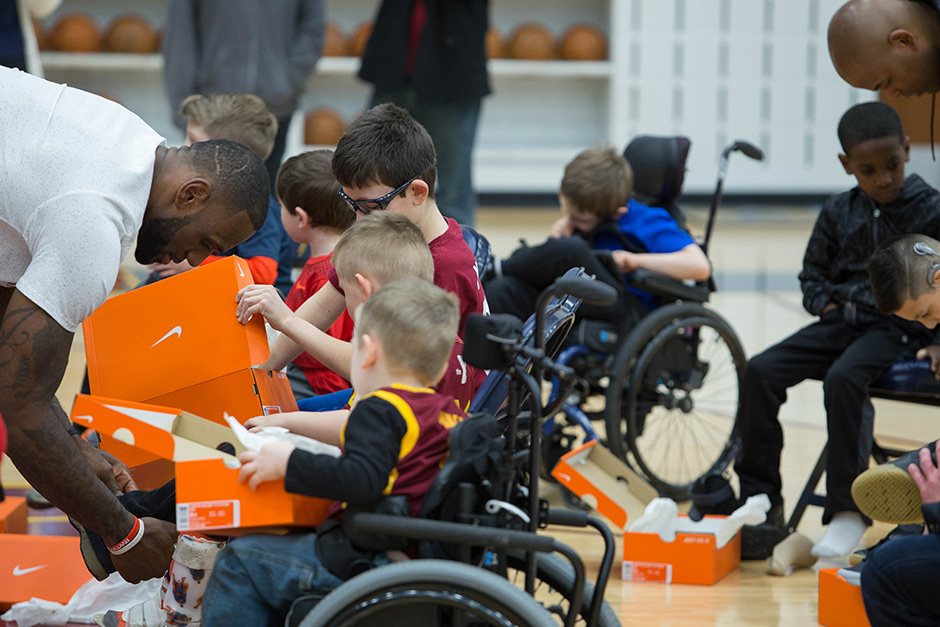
(244, 394)
(208, 494)
(13, 515)
(173, 334)
(840, 602)
(603, 481)
(692, 557)
(45, 567)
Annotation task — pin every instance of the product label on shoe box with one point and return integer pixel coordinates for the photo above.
(647, 571)
(271, 409)
(207, 515)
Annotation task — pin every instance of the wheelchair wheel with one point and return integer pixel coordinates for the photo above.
(428, 593)
(673, 396)
(554, 584)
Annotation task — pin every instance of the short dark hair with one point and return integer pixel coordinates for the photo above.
(866, 121)
(385, 145)
(901, 270)
(306, 181)
(237, 174)
(598, 181)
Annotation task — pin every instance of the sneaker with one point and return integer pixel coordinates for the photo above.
(898, 532)
(852, 574)
(888, 493)
(758, 541)
(712, 494)
(94, 552)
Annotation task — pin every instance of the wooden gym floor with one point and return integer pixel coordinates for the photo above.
(757, 254)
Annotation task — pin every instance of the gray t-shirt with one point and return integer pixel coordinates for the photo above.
(75, 176)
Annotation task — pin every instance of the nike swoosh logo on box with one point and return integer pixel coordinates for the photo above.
(177, 331)
(18, 572)
(84, 418)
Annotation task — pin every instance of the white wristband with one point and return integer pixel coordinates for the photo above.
(130, 543)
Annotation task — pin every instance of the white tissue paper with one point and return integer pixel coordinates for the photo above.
(658, 517)
(94, 597)
(267, 435)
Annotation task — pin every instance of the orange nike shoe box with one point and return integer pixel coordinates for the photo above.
(45, 567)
(840, 602)
(603, 481)
(692, 557)
(13, 514)
(208, 494)
(173, 334)
(244, 394)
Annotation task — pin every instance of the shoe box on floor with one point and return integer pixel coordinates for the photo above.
(209, 496)
(840, 602)
(13, 514)
(45, 567)
(607, 484)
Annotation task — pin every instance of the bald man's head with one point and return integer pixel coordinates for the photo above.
(887, 45)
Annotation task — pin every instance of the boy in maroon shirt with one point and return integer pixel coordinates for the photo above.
(393, 445)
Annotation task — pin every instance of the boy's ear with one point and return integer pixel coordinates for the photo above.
(936, 278)
(366, 284)
(620, 211)
(907, 148)
(192, 195)
(303, 216)
(419, 190)
(844, 160)
(901, 39)
(370, 351)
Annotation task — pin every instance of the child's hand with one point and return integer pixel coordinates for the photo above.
(268, 464)
(260, 422)
(264, 300)
(932, 352)
(561, 228)
(626, 261)
(926, 476)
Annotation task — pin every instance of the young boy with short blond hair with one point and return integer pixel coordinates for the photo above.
(312, 213)
(394, 444)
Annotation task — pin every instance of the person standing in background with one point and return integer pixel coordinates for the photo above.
(429, 57)
(18, 46)
(268, 49)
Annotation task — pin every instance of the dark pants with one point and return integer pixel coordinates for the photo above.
(273, 163)
(531, 269)
(847, 359)
(899, 582)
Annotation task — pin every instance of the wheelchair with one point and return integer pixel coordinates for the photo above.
(669, 387)
(481, 560)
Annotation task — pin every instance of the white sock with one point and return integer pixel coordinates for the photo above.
(842, 534)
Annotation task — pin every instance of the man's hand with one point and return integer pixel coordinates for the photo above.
(165, 270)
(264, 300)
(110, 470)
(927, 476)
(151, 556)
(268, 464)
(933, 353)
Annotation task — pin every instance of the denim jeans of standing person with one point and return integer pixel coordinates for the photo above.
(257, 577)
(453, 128)
(899, 582)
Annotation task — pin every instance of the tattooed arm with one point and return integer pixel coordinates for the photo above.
(34, 351)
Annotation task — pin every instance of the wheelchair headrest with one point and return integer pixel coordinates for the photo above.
(658, 165)
(479, 246)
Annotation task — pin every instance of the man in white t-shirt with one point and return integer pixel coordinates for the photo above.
(80, 178)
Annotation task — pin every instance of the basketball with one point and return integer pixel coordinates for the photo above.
(334, 41)
(583, 42)
(360, 38)
(132, 34)
(531, 41)
(323, 127)
(495, 44)
(76, 33)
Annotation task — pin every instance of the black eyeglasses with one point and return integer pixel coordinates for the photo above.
(378, 204)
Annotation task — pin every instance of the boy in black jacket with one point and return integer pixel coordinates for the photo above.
(851, 343)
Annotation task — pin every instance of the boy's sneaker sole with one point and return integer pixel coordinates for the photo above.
(888, 493)
(92, 562)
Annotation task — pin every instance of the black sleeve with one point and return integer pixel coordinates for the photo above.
(818, 289)
(373, 440)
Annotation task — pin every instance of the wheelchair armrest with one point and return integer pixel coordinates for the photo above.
(668, 287)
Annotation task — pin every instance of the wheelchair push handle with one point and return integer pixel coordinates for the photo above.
(747, 149)
(588, 290)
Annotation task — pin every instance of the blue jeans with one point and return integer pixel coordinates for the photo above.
(453, 129)
(256, 578)
(899, 582)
